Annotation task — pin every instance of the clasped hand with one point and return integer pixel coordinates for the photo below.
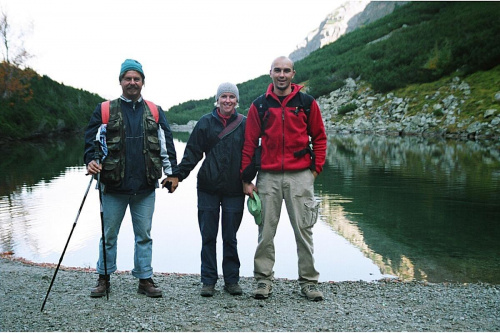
(171, 183)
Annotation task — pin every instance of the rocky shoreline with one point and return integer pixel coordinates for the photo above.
(355, 108)
(386, 305)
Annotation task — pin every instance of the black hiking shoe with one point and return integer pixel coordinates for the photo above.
(233, 289)
(208, 290)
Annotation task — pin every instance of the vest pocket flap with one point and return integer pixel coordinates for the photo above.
(113, 143)
(113, 139)
(110, 163)
(153, 142)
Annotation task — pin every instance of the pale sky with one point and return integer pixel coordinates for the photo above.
(187, 47)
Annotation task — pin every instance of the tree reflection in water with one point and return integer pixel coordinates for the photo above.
(425, 209)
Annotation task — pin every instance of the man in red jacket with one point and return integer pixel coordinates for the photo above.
(293, 149)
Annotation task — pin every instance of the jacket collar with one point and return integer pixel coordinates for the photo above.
(295, 90)
(123, 98)
(134, 104)
(232, 117)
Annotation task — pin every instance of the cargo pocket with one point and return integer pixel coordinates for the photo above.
(114, 144)
(153, 143)
(310, 217)
(111, 171)
(156, 168)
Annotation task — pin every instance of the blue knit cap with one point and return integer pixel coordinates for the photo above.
(131, 65)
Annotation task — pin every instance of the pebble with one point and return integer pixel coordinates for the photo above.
(385, 305)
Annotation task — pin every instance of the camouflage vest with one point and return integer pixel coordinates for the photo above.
(114, 165)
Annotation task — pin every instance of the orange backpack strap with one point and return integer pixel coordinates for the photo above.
(105, 112)
(154, 110)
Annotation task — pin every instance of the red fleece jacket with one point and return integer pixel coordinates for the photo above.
(286, 132)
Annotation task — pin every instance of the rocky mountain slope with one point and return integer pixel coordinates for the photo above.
(346, 18)
(441, 108)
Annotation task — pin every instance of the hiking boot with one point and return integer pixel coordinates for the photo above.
(100, 289)
(233, 289)
(149, 288)
(311, 292)
(263, 290)
(208, 290)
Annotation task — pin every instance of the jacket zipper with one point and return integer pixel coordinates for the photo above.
(283, 138)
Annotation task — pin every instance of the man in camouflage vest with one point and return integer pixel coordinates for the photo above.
(137, 148)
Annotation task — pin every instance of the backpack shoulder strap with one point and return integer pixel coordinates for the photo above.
(305, 103)
(262, 107)
(232, 126)
(105, 111)
(261, 104)
(154, 110)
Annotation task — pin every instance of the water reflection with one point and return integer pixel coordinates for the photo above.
(36, 218)
(419, 208)
(409, 207)
(30, 163)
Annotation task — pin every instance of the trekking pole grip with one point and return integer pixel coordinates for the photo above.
(97, 151)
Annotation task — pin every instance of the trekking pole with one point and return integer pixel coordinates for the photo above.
(66, 246)
(97, 157)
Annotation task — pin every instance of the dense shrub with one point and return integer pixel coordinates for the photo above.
(347, 108)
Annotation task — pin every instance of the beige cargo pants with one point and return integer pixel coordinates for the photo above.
(297, 189)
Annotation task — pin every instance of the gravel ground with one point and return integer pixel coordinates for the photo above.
(385, 305)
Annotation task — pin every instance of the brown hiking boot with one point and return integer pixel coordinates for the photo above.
(100, 289)
(149, 288)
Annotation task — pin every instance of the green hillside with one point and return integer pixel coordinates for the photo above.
(420, 42)
(42, 107)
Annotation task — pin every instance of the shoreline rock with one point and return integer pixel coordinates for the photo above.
(184, 128)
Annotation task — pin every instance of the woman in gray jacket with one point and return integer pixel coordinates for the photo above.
(218, 136)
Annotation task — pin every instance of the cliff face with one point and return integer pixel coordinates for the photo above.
(348, 17)
(374, 10)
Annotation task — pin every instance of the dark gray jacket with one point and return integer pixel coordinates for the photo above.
(220, 171)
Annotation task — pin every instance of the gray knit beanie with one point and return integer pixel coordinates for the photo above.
(227, 87)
